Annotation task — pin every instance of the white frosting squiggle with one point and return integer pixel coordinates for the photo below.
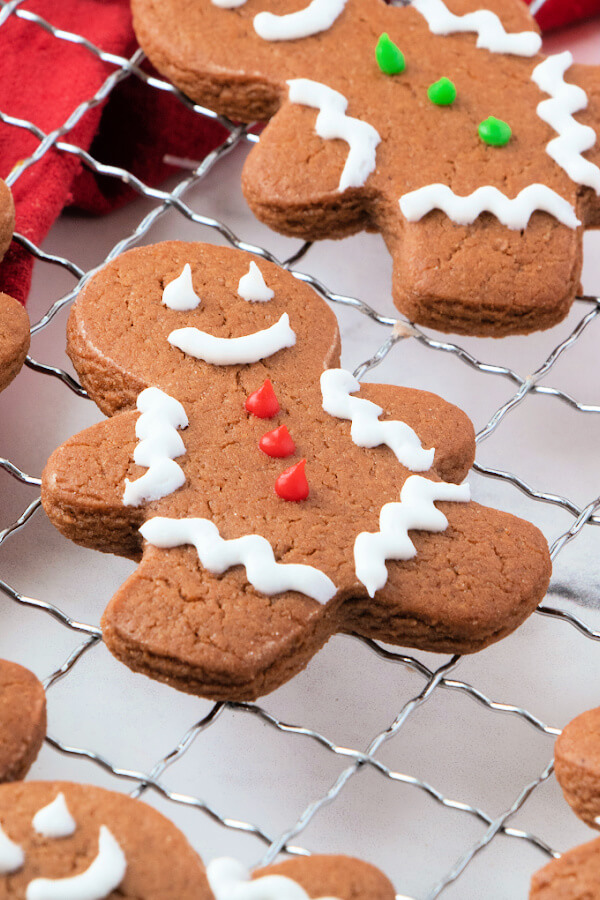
(179, 294)
(230, 880)
(514, 213)
(491, 34)
(573, 137)
(252, 286)
(251, 551)
(318, 16)
(12, 857)
(55, 820)
(99, 880)
(414, 511)
(234, 351)
(332, 122)
(367, 430)
(159, 446)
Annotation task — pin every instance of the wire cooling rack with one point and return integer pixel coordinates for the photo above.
(570, 610)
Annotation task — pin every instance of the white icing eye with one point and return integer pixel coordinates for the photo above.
(11, 855)
(179, 294)
(252, 286)
(55, 820)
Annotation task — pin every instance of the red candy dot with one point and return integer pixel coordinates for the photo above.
(263, 403)
(292, 484)
(277, 443)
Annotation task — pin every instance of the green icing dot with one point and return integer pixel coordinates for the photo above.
(495, 132)
(442, 92)
(390, 58)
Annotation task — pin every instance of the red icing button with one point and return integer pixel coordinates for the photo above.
(292, 484)
(263, 403)
(277, 443)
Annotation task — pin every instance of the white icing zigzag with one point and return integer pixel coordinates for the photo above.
(491, 34)
(230, 880)
(573, 137)
(414, 511)
(159, 446)
(251, 551)
(367, 430)
(332, 122)
(513, 213)
(318, 16)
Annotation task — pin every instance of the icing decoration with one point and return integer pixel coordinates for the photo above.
(11, 855)
(367, 431)
(55, 820)
(442, 92)
(252, 286)
(230, 880)
(318, 16)
(332, 122)
(292, 484)
(99, 880)
(573, 137)
(263, 403)
(414, 511)
(159, 446)
(251, 551)
(228, 4)
(390, 58)
(277, 443)
(250, 348)
(179, 294)
(464, 210)
(495, 132)
(491, 34)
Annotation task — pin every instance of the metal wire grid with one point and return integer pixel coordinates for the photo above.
(398, 330)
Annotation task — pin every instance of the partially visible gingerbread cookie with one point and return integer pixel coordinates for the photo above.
(575, 876)
(22, 720)
(14, 338)
(7, 218)
(577, 765)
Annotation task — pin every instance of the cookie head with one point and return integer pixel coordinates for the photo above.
(577, 766)
(22, 720)
(14, 338)
(575, 876)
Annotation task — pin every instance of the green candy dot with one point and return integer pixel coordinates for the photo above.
(442, 92)
(390, 58)
(495, 132)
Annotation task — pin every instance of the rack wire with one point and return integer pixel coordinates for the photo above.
(398, 331)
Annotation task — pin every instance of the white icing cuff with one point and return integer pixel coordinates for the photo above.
(318, 16)
(250, 348)
(55, 820)
(179, 294)
(252, 286)
(230, 880)
(12, 857)
(491, 34)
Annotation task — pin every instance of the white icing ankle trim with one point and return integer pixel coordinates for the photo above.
(12, 857)
(250, 348)
(103, 876)
(318, 16)
(252, 286)
(159, 446)
(367, 430)
(332, 122)
(55, 820)
(491, 34)
(414, 511)
(251, 551)
(514, 213)
(230, 880)
(573, 137)
(179, 294)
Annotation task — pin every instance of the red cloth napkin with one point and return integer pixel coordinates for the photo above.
(44, 79)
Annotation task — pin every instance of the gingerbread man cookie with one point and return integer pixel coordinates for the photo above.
(268, 494)
(22, 720)
(437, 124)
(14, 322)
(577, 766)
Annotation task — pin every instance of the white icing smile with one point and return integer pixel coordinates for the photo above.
(230, 880)
(318, 16)
(491, 34)
(250, 348)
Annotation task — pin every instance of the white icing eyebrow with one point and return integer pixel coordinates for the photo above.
(55, 820)
(491, 34)
(230, 880)
(12, 857)
(252, 286)
(332, 122)
(99, 880)
(573, 137)
(251, 551)
(514, 213)
(179, 294)
(367, 430)
(318, 16)
(234, 351)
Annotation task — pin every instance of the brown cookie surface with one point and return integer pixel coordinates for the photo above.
(22, 720)
(577, 765)
(575, 876)
(14, 338)
(7, 218)
(334, 876)
(144, 856)
(483, 277)
(212, 627)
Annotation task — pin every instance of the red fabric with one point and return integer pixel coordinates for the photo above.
(556, 13)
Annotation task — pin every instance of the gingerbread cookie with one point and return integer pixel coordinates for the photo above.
(14, 338)
(436, 123)
(575, 876)
(22, 720)
(7, 218)
(577, 766)
(270, 501)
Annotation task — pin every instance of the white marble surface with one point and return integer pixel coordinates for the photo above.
(245, 769)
